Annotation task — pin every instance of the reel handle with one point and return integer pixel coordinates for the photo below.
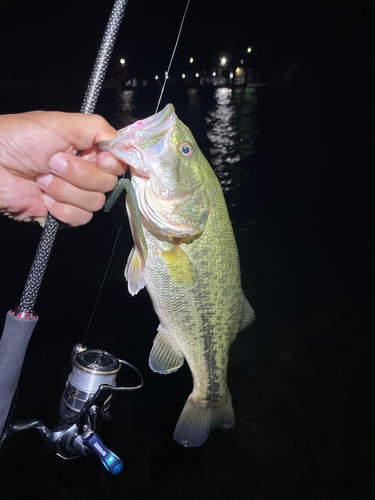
(111, 462)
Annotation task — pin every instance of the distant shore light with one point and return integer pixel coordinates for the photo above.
(156, 77)
(214, 73)
(183, 75)
(122, 61)
(197, 74)
(223, 61)
(249, 49)
(191, 60)
(231, 75)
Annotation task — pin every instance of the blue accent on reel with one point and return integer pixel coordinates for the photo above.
(111, 462)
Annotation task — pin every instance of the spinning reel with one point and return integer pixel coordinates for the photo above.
(85, 400)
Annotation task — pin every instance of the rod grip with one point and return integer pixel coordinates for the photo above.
(13, 344)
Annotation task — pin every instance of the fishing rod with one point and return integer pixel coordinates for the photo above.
(91, 383)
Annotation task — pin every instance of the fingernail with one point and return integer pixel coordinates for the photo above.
(57, 163)
(107, 163)
(47, 198)
(44, 180)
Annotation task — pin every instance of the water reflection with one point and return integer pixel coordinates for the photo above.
(222, 132)
(231, 133)
(126, 106)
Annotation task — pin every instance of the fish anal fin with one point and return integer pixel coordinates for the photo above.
(134, 272)
(198, 418)
(248, 315)
(178, 264)
(163, 357)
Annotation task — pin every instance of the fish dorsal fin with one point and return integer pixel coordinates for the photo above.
(134, 272)
(163, 357)
(248, 315)
(178, 263)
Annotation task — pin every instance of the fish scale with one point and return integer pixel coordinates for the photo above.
(189, 264)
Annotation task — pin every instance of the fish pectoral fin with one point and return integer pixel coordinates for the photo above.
(178, 264)
(199, 417)
(134, 215)
(248, 315)
(163, 357)
(134, 272)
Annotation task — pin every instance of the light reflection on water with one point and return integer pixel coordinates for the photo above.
(231, 133)
(221, 133)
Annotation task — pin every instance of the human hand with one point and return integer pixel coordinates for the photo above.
(39, 170)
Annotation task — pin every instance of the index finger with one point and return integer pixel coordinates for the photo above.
(76, 130)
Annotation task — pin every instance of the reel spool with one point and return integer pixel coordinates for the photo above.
(91, 369)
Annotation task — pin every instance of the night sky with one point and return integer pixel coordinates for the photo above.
(314, 40)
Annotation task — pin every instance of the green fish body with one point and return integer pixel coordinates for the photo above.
(186, 255)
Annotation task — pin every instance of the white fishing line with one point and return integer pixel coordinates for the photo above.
(166, 74)
(101, 285)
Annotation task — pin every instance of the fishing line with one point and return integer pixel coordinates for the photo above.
(102, 283)
(166, 74)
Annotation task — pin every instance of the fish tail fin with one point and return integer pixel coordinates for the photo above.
(199, 417)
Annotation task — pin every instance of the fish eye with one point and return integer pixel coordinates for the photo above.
(186, 149)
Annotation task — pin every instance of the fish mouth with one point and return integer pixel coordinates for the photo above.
(156, 122)
(148, 134)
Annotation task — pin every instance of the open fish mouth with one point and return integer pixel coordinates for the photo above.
(145, 134)
(142, 139)
(154, 123)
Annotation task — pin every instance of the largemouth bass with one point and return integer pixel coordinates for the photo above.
(185, 254)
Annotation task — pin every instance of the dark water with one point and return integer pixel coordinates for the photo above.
(296, 167)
